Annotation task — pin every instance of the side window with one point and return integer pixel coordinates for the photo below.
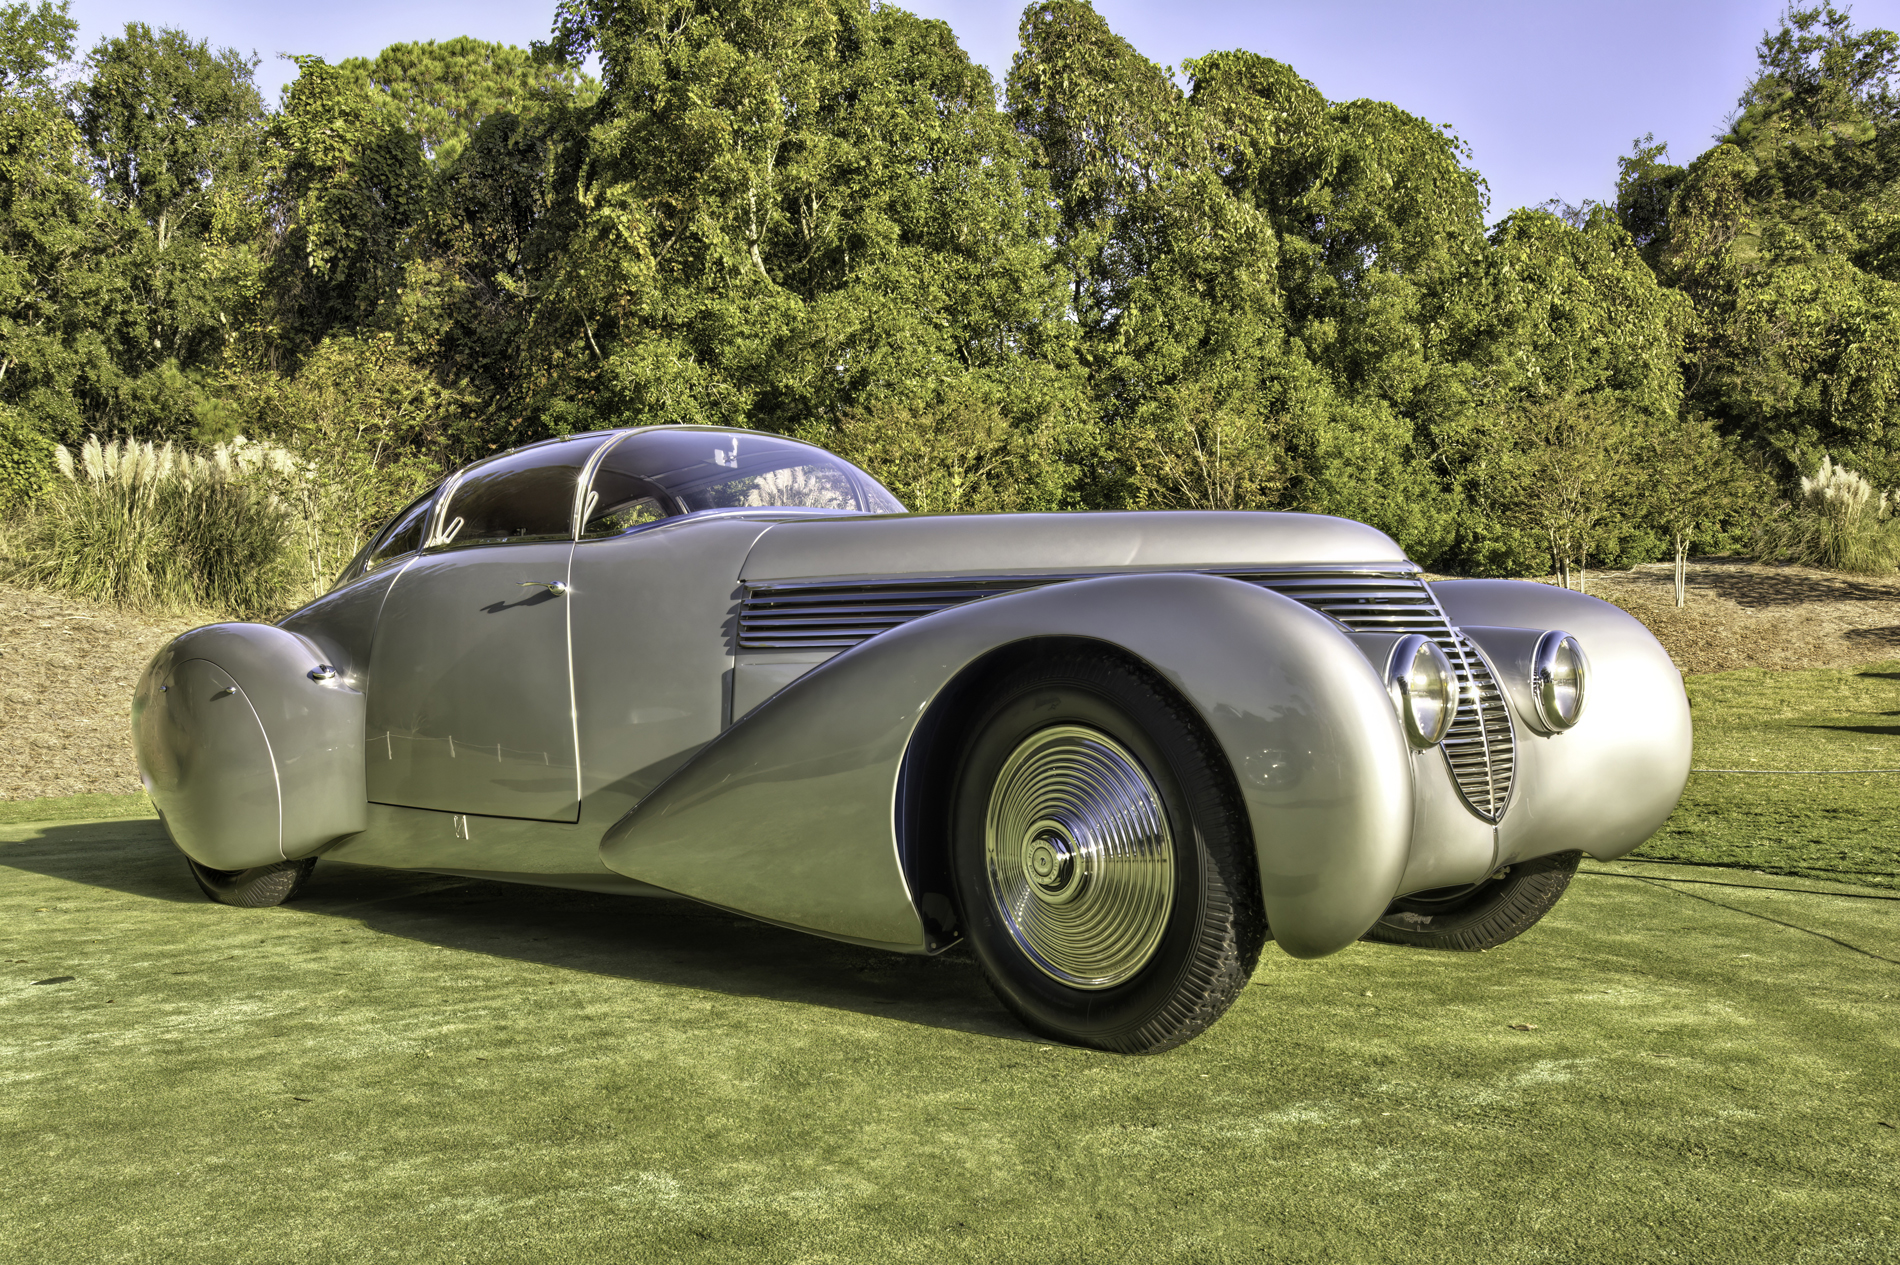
(621, 500)
(402, 536)
(517, 497)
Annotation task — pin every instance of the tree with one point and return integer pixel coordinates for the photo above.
(34, 39)
(365, 428)
(1693, 484)
(443, 91)
(1569, 476)
(1568, 310)
(354, 201)
(56, 281)
(1646, 184)
(1208, 450)
(169, 123)
(1109, 128)
(782, 215)
(1169, 272)
(959, 449)
(174, 130)
(1376, 222)
(1782, 236)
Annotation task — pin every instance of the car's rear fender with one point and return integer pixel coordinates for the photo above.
(250, 747)
(792, 815)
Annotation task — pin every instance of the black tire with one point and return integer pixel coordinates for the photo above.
(1465, 920)
(1205, 931)
(256, 887)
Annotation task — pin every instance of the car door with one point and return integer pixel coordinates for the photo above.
(470, 694)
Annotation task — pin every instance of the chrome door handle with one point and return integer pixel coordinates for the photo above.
(556, 587)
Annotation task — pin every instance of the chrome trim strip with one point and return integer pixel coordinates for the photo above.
(573, 698)
(276, 774)
(585, 484)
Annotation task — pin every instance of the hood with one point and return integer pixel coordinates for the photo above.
(1036, 544)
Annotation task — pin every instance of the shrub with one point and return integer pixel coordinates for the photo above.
(1838, 522)
(26, 461)
(1204, 449)
(162, 529)
(359, 427)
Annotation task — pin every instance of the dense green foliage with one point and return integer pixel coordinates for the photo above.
(1783, 235)
(443, 91)
(1101, 283)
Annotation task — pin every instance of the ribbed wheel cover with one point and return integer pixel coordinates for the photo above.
(1079, 856)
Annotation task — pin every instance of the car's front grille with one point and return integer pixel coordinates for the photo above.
(1481, 747)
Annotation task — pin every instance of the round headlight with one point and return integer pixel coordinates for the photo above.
(1423, 688)
(1558, 672)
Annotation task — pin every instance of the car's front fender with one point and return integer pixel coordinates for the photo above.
(1607, 785)
(790, 814)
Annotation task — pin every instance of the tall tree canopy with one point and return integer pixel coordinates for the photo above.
(1783, 237)
(1103, 282)
(787, 213)
(443, 91)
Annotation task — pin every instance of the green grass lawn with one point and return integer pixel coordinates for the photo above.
(1836, 827)
(75, 808)
(422, 1068)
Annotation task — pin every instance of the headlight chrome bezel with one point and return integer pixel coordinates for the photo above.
(1424, 689)
(1560, 678)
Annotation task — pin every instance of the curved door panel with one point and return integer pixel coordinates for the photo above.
(471, 706)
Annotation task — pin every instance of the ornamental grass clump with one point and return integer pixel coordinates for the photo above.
(159, 528)
(1839, 522)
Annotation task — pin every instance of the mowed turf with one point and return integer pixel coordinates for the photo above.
(421, 1068)
(1798, 818)
(425, 1068)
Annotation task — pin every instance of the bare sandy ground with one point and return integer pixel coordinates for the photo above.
(1748, 615)
(67, 668)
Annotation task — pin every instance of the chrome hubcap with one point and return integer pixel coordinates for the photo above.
(1080, 859)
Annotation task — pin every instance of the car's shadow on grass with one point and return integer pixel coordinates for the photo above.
(670, 942)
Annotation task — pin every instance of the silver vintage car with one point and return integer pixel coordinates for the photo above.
(1115, 753)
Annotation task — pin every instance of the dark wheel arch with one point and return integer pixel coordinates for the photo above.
(1482, 916)
(256, 888)
(930, 766)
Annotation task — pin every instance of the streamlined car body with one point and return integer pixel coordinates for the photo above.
(1115, 752)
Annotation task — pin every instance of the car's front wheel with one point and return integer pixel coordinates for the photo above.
(1482, 916)
(1101, 856)
(257, 887)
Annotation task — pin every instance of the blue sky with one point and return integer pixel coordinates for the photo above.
(1548, 95)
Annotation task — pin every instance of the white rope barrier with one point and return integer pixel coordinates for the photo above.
(1795, 772)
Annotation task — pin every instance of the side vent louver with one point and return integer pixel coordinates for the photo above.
(1481, 747)
(840, 615)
